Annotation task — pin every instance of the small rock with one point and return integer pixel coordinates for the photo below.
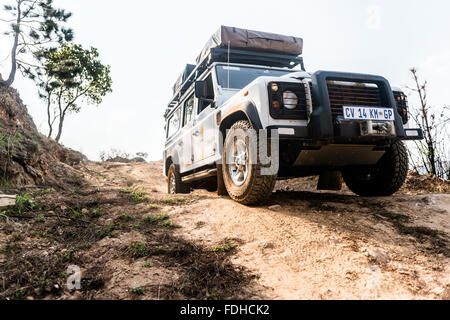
(63, 208)
(274, 207)
(378, 256)
(438, 291)
(84, 211)
(51, 212)
(266, 245)
(29, 298)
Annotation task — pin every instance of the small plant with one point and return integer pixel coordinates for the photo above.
(223, 248)
(43, 235)
(138, 250)
(68, 255)
(136, 194)
(19, 294)
(44, 191)
(175, 201)
(40, 219)
(137, 291)
(108, 231)
(24, 202)
(166, 224)
(136, 225)
(97, 212)
(157, 218)
(153, 207)
(76, 213)
(147, 265)
(125, 217)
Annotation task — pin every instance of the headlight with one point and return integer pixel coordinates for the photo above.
(290, 100)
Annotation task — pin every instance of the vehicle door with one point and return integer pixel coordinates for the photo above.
(204, 131)
(187, 151)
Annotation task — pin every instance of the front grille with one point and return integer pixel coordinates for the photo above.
(352, 95)
(300, 111)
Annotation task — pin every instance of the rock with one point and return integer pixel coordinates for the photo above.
(274, 207)
(7, 200)
(84, 211)
(51, 212)
(438, 291)
(376, 255)
(266, 245)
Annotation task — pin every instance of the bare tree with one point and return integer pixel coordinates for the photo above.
(433, 151)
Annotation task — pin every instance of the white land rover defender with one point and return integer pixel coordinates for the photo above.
(333, 124)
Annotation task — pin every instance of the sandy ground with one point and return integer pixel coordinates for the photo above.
(306, 244)
(302, 244)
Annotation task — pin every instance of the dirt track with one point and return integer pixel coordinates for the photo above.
(311, 245)
(303, 244)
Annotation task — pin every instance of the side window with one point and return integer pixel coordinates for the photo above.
(174, 123)
(203, 104)
(188, 110)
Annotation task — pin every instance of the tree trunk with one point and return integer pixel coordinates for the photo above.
(12, 75)
(50, 124)
(60, 127)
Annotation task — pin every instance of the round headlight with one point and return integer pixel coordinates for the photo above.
(290, 100)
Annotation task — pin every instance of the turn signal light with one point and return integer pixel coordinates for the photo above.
(276, 105)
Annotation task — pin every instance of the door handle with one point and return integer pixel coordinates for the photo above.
(180, 143)
(196, 133)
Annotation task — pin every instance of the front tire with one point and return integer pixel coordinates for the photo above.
(383, 179)
(243, 180)
(174, 183)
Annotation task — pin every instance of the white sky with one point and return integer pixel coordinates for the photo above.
(147, 44)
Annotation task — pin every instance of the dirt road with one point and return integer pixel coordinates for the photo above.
(328, 245)
(133, 241)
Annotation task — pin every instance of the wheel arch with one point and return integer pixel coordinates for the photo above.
(246, 111)
(171, 159)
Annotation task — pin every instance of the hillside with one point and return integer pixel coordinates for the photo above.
(26, 156)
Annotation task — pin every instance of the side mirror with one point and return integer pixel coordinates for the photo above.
(201, 91)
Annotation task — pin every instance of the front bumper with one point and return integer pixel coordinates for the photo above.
(323, 126)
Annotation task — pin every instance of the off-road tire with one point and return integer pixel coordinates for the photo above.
(178, 186)
(257, 188)
(386, 177)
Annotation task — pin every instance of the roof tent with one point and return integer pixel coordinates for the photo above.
(249, 40)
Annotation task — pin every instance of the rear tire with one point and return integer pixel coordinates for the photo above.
(244, 183)
(383, 179)
(174, 183)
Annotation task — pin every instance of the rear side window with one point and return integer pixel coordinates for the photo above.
(188, 110)
(174, 123)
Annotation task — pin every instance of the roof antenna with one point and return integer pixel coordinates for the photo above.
(228, 71)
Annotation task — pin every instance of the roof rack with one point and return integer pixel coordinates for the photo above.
(234, 56)
(255, 58)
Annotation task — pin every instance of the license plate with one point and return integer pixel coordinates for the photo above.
(368, 113)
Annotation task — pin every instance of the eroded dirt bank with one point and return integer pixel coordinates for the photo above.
(132, 241)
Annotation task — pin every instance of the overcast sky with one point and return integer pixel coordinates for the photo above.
(147, 44)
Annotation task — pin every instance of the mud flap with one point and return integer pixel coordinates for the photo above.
(330, 180)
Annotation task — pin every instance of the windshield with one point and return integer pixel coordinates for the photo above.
(234, 77)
